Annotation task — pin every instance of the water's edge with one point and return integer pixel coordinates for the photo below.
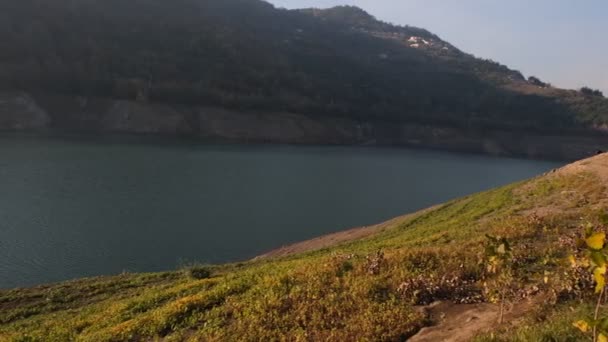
(21, 112)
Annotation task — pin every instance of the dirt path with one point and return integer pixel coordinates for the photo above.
(462, 322)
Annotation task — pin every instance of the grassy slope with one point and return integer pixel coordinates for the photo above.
(347, 292)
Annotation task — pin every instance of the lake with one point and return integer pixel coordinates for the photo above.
(83, 207)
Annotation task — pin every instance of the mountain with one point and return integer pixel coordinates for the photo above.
(67, 65)
(518, 248)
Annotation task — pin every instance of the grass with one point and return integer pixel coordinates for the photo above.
(544, 324)
(343, 293)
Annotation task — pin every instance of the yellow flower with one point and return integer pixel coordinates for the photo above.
(572, 260)
(596, 241)
(582, 326)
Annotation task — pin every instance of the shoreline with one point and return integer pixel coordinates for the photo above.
(180, 140)
(338, 238)
(84, 118)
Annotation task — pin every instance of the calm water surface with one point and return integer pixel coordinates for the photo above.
(73, 208)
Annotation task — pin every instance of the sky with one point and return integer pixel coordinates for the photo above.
(563, 42)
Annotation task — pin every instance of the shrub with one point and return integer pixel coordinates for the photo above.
(198, 272)
(591, 92)
(596, 260)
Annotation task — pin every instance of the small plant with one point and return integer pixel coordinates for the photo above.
(198, 272)
(422, 261)
(342, 263)
(595, 258)
(375, 263)
(498, 260)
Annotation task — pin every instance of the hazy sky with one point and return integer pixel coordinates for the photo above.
(564, 42)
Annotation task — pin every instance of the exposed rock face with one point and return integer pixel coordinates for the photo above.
(133, 117)
(276, 127)
(23, 112)
(20, 111)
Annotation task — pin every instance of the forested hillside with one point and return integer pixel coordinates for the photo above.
(249, 56)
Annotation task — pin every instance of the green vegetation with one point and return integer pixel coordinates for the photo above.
(498, 262)
(595, 260)
(250, 56)
(546, 323)
(591, 92)
(366, 289)
(198, 271)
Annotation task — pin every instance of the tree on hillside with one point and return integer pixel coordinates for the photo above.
(591, 92)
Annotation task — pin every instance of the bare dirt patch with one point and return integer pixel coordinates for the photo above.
(462, 322)
(597, 165)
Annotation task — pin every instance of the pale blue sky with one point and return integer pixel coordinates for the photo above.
(564, 42)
